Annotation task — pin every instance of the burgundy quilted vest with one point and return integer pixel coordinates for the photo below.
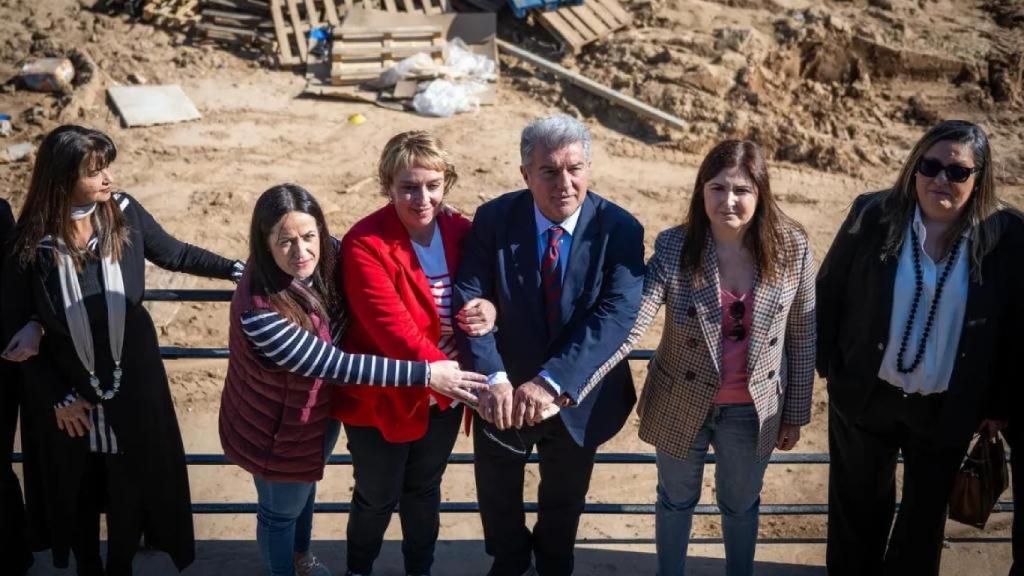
(272, 422)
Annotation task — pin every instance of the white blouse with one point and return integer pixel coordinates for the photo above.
(932, 375)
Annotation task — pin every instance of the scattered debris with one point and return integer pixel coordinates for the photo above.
(48, 74)
(5, 125)
(176, 14)
(577, 26)
(151, 105)
(367, 63)
(17, 152)
(362, 54)
(589, 85)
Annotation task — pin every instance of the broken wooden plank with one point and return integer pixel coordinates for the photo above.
(331, 13)
(561, 29)
(613, 96)
(251, 6)
(577, 26)
(285, 56)
(239, 19)
(616, 9)
(312, 16)
(590, 19)
(298, 28)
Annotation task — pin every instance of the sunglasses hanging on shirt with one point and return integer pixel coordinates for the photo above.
(737, 332)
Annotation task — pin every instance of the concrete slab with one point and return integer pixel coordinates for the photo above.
(151, 105)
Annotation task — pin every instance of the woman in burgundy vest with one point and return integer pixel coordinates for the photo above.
(285, 316)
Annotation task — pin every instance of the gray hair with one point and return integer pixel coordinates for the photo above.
(554, 132)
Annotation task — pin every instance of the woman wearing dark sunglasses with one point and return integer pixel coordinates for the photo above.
(919, 307)
(735, 365)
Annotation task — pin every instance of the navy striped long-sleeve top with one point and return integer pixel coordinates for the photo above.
(299, 351)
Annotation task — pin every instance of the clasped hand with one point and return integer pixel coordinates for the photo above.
(507, 407)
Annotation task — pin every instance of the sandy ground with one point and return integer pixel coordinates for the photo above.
(836, 119)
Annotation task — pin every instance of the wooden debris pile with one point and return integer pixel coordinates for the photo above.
(282, 27)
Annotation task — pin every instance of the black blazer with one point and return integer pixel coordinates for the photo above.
(600, 299)
(854, 296)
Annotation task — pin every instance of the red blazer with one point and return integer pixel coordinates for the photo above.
(393, 315)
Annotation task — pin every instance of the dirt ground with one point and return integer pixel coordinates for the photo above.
(836, 91)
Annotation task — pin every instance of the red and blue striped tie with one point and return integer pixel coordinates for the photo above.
(551, 276)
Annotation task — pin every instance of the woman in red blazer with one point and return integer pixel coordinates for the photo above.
(397, 266)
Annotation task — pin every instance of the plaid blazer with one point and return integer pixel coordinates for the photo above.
(684, 375)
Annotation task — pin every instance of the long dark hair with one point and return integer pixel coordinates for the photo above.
(899, 202)
(66, 154)
(770, 227)
(291, 298)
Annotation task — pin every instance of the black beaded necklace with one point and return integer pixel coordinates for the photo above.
(918, 289)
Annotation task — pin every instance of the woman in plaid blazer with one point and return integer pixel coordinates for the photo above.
(735, 365)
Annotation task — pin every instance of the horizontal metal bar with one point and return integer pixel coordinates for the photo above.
(182, 353)
(601, 458)
(189, 295)
(531, 507)
(778, 540)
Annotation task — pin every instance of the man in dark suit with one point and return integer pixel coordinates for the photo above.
(565, 269)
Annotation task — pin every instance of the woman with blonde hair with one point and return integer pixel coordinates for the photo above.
(398, 264)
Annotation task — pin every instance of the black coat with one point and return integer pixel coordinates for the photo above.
(854, 304)
(13, 544)
(142, 414)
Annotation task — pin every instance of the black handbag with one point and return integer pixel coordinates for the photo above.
(982, 478)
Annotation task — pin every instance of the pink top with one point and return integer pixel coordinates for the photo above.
(734, 352)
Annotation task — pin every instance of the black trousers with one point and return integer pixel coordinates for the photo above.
(862, 486)
(102, 490)
(14, 549)
(565, 470)
(1015, 438)
(406, 475)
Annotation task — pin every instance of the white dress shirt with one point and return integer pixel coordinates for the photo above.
(564, 248)
(932, 375)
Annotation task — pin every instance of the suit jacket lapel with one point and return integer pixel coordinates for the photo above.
(766, 303)
(707, 301)
(522, 233)
(579, 258)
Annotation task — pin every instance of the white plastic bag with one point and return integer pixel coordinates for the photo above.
(461, 62)
(445, 98)
(415, 66)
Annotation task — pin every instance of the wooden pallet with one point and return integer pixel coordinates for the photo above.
(413, 6)
(577, 26)
(292, 21)
(362, 54)
(174, 14)
(237, 22)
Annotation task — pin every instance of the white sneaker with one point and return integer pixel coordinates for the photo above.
(310, 565)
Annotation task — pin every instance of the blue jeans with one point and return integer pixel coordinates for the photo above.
(732, 429)
(284, 515)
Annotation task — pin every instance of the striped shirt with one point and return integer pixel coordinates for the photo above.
(299, 351)
(435, 267)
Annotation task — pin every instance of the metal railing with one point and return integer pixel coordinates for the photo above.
(178, 352)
